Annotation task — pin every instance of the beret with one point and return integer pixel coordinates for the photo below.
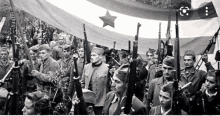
(44, 47)
(190, 52)
(97, 50)
(89, 96)
(169, 61)
(151, 50)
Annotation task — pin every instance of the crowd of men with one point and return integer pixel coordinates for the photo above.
(51, 89)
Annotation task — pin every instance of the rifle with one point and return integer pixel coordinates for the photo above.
(87, 51)
(80, 108)
(175, 107)
(168, 46)
(159, 46)
(132, 76)
(211, 42)
(217, 73)
(12, 97)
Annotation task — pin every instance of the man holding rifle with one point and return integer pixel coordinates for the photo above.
(190, 74)
(115, 100)
(157, 83)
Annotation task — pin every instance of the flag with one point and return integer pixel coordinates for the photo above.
(107, 21)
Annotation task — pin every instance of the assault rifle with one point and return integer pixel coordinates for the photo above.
(175, 107)
(132, 77)
(87, 51)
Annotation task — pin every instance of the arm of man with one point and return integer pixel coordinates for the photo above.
(47, 77)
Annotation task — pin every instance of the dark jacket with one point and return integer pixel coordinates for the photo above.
(210, 104)
(138, 107)
(3, 70)
(157, 111)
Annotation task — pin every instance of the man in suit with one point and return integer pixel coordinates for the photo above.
(115, 100)
(165, 101)
(47, 69)
(94, 78)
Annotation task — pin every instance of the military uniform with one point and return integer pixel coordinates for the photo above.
(57, 52)
(210, 103)
(137, 108)
(4, 68)
(95, 78)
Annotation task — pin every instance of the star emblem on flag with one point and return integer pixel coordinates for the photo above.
(108, 19)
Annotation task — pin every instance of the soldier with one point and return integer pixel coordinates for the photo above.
(36, 104)
(206, 102)
(65, 62)
(26, 69)
(46, 74)
(57, 52)
(119, 85)
(157, 83)
(5, 65)
(190, 74)
(39, 42)
(165, 101)
(94, 78)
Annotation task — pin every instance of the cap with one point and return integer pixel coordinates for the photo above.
(33, 49)
(121, 72)
(67, 47)
(37, 95)
(44, 47)
(190, 53)
(169, 61)
(151, 51)
(89, 96)
(5, 48)
(97, 50)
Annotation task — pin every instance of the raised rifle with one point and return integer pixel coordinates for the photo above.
(175, 106)
(132, 77)
(87, 51)
(80, 108)
(217, 73)
(168, 47)
(210, 45)
(11, 102)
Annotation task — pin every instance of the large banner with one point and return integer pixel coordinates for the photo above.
(116, 20)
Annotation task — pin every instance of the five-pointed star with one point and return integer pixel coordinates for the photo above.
(108, 19)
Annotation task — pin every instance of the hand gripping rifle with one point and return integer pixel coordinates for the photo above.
(11, 102)
(132, 78)
(175, 108)
(210, 45)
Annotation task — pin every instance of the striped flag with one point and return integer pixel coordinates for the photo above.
(116, 20)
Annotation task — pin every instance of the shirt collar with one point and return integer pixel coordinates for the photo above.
(191, 70)
(163, 112)
(210, 95)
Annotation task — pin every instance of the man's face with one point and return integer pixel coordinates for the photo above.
(39, 40)
(55, 38)
(117, 85)
(28, 108)
(95, 57)
(4, 55)
(44, 54)
(165, 99)
(188, 61)
(149, 55)
(61, 41)
(210, 83)
(81, 52)
(33, 55)
(167, 71)
(155, 58)
(66, 53)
